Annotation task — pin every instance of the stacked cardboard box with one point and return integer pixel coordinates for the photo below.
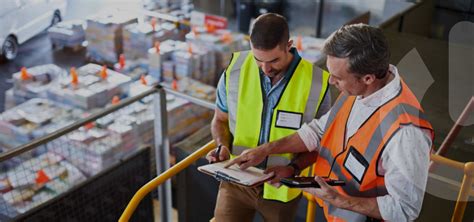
(36, 181)
(68, 33)
(90, 149)
(139, 38)
(310, 48)
(29, 120)
(104, 35)
(222, 42)
(133, 68)
(160, 65)
(35, 84)
(92, 90)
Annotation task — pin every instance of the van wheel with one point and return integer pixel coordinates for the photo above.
(56, 18)
(9, 48)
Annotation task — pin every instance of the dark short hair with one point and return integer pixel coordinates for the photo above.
(268, 31)
(365, 47)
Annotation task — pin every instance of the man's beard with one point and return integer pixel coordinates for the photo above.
(274, 73)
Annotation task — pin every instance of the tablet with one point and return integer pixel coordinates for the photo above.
(302, 182)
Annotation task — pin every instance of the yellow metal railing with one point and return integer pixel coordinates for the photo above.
(466, 185)
(157, 181)
(458, 213)
(461, 202)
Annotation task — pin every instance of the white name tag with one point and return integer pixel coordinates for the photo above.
(289, 119)
(356, 164)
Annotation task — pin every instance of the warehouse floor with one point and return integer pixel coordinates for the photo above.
(434, 54)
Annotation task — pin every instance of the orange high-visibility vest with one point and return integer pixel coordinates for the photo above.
(356, 160)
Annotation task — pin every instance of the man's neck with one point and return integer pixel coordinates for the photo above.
(378, 84)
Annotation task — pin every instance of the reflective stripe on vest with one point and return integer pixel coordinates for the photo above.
(233, 89)
(303, 95)
(369, 141)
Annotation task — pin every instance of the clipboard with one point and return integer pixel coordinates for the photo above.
(249, 177)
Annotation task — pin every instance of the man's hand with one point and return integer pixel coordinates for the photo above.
(326, 192)
(363, 205)
(248, 158)
(280, 172)
(224, 154)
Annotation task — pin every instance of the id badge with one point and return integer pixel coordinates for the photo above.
(290, 120)
(356, 164)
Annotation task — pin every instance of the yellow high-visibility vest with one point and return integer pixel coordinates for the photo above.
(297, 104)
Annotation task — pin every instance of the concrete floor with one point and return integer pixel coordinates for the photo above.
(434, 53)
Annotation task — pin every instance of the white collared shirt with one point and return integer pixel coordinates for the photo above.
(404, 162)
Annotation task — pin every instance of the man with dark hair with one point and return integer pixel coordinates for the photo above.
(375, 137)
(264, 95)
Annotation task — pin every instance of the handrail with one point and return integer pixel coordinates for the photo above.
(466, 184)
(150, 186)
(461, 201)
(76, 125)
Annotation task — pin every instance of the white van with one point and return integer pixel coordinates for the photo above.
(20, 20)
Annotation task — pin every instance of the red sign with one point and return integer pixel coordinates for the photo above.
(217, 21)
(201, 19)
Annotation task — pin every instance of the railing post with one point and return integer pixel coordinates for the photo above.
(162, 150)
(463, 195)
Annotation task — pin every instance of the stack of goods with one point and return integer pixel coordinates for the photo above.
(91, 86)
(104, 36)
(194, 61)
(69, 34)
(223, 42)
(178, 60)
(310, 48)
(89, 148)
(138, 38)
(133, 68)
(160, 65)
(185, 118)
(195, 89)
(32, 83)
(29, 120)
(136, 121)
(36, 181)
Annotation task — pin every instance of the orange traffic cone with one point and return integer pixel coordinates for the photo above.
(41, 177)
(174, 84)
(194, 30)
(299, 43)
(24, 74)
(122, 61)
(190, 48)
(210, 28)
(89, 125)
(143, 80)
(157, 46)
(226, 37)
(103, 72)
(153, 23)
(115, 100)
(74, 78)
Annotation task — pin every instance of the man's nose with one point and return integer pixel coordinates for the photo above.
(266, 68)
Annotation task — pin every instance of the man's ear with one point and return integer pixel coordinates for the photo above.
(290, 43)
(368, 79)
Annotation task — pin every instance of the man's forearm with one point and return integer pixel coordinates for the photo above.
(365, 206)
(288, 144)
(220, 132)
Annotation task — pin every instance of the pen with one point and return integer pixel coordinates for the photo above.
(218, 151)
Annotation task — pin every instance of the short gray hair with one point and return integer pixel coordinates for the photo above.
(365, 47)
